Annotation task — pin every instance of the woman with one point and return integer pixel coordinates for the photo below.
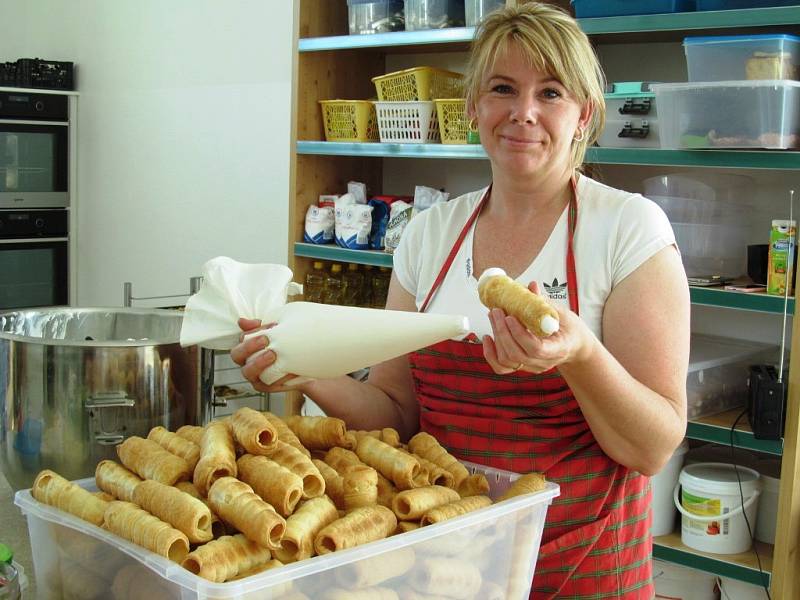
(598, 406)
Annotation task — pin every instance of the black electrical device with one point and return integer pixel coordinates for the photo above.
(766, 405)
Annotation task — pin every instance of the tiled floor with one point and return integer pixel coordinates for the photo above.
(14, 533)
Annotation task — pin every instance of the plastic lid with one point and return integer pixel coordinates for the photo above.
(710, 39)
(317, 264)
(336, 268)
(629, 89)
(352, 267)
(6, 555)
(720, 478)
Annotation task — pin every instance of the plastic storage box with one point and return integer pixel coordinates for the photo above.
(718, 370)
(613, 8)
(434, 14)
(496, 546)
(736, 4)
(729, 114)
(630, 117)
(418, 83)
(476, 10)
(375, 16)
(737, 57)
(712, 249)
(349, 120)
(407, 122)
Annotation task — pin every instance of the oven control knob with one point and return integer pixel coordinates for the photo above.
(39, 105)
(39, 222)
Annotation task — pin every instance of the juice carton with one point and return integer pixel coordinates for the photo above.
(782, 241)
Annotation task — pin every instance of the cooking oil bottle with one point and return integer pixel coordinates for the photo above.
(352, 285)
(315, 283)
(366, 288)
(380, 287)
(332, 294)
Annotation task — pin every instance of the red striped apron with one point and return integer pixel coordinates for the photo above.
(596, 541)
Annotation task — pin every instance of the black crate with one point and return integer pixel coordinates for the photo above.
(50, 74)
(8, 74)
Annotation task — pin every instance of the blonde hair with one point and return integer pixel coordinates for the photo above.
(553, 43)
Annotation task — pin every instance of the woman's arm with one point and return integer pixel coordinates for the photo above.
(632, 387)
(387, 399)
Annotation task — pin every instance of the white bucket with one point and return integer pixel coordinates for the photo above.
(663, 482)
(712, 509)
(770, 471)
(674, 582)
(732, 589)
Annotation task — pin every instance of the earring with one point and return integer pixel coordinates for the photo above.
(580, 136)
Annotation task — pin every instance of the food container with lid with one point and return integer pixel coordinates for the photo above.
(476, 10)
(434, 14)
(375, 16)
(740, 57)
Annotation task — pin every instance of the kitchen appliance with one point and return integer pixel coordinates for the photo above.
(75, 382)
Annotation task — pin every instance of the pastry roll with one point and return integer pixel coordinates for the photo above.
(342, 459)
(239, 505)
(319, 433)
(365, 524)
(404, 526)
(303, 526)
(406, 592)
(150, 461)
(134, 582)
(185, 513)
(374, 593)
(103, 496)
(192, 433)
(390, 436)
(526, 484)
(116, 480)
(446, 577)
(333, 482)
(285, 434)
(276, 484)
(270, 564)
(498, 290)
(410, 505)
(474, 485)
(359, 487)
(386, 491)
(223, 559)
(253, 431)
(301, 465)
(51, 488)
(425, 445)
(455, 509)
(179, 446)
(217, 526)
(436, 474)
(140, 527)
(217, 456)
(394, 464)
(375, 570)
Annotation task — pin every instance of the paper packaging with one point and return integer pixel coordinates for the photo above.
(310, 340)
(399, 216)
(358, 190)
(353, 226)
(319, 226)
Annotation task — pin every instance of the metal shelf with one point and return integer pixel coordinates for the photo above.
(468, 151)
(678, 23)
(717, 429)
(332, 252)
(739, 300)
(743, 567)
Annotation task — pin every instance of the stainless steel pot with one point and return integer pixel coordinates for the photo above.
(75, 382)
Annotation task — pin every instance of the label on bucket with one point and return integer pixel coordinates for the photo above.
(704, 507)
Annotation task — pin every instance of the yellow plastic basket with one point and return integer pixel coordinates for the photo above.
(349, 120)
(453, 121)
(418, 84)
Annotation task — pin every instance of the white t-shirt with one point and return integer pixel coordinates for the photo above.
(615, 233)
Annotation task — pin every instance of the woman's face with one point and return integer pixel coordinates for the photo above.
(526, 119)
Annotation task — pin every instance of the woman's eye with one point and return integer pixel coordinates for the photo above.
(502, 88)
(551, 93)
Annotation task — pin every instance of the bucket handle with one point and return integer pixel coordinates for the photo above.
(709, 519)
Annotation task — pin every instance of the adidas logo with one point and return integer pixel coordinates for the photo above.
(555, 290)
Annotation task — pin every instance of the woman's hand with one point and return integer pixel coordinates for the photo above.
(252, 366)
(514, 348)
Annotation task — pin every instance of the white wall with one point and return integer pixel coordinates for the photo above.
(184, 132)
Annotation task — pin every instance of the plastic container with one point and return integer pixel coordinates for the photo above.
(380, 287)
(712, 249)
(434, 14)
(630, 132)
(407, 122)
(73, 558)
(353, 283)
(729, 114)
(476, 10)
(349, 120)
(375, 16)
(718, 371)
(453, 121)
(737, 57)
(674, 582)
(613, 8)
(766, 524)
(10, 588)
(418, 83)
(711, 506)
(332, 292)
(315, 283)
(634, 99)
(662, 483)
(733, 589)
(736, 4)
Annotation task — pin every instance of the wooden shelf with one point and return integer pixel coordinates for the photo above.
(717, 429)
(743, 567)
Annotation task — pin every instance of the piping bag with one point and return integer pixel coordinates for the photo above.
(310, 340)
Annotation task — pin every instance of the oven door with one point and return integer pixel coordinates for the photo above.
(33, 164)
(34, 272)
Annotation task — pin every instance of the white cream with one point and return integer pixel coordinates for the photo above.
(490, 272)
(549, 325)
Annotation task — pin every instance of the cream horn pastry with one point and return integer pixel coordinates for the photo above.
(237, 503)
(140, 527)
(225, 558)
(179, 446)
(362, 525)
(303, 526)
(527, 484)
(51, 488)
(116, 480)
(498, 290)
(184, 512)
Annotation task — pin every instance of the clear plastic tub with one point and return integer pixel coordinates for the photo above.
(729, 114)
(630, 133)
(718, 370)
(496, 545)
(738, 57)
(613, 8)
(375, 16)
(434, 14)
(712, 249)
(476, 10)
